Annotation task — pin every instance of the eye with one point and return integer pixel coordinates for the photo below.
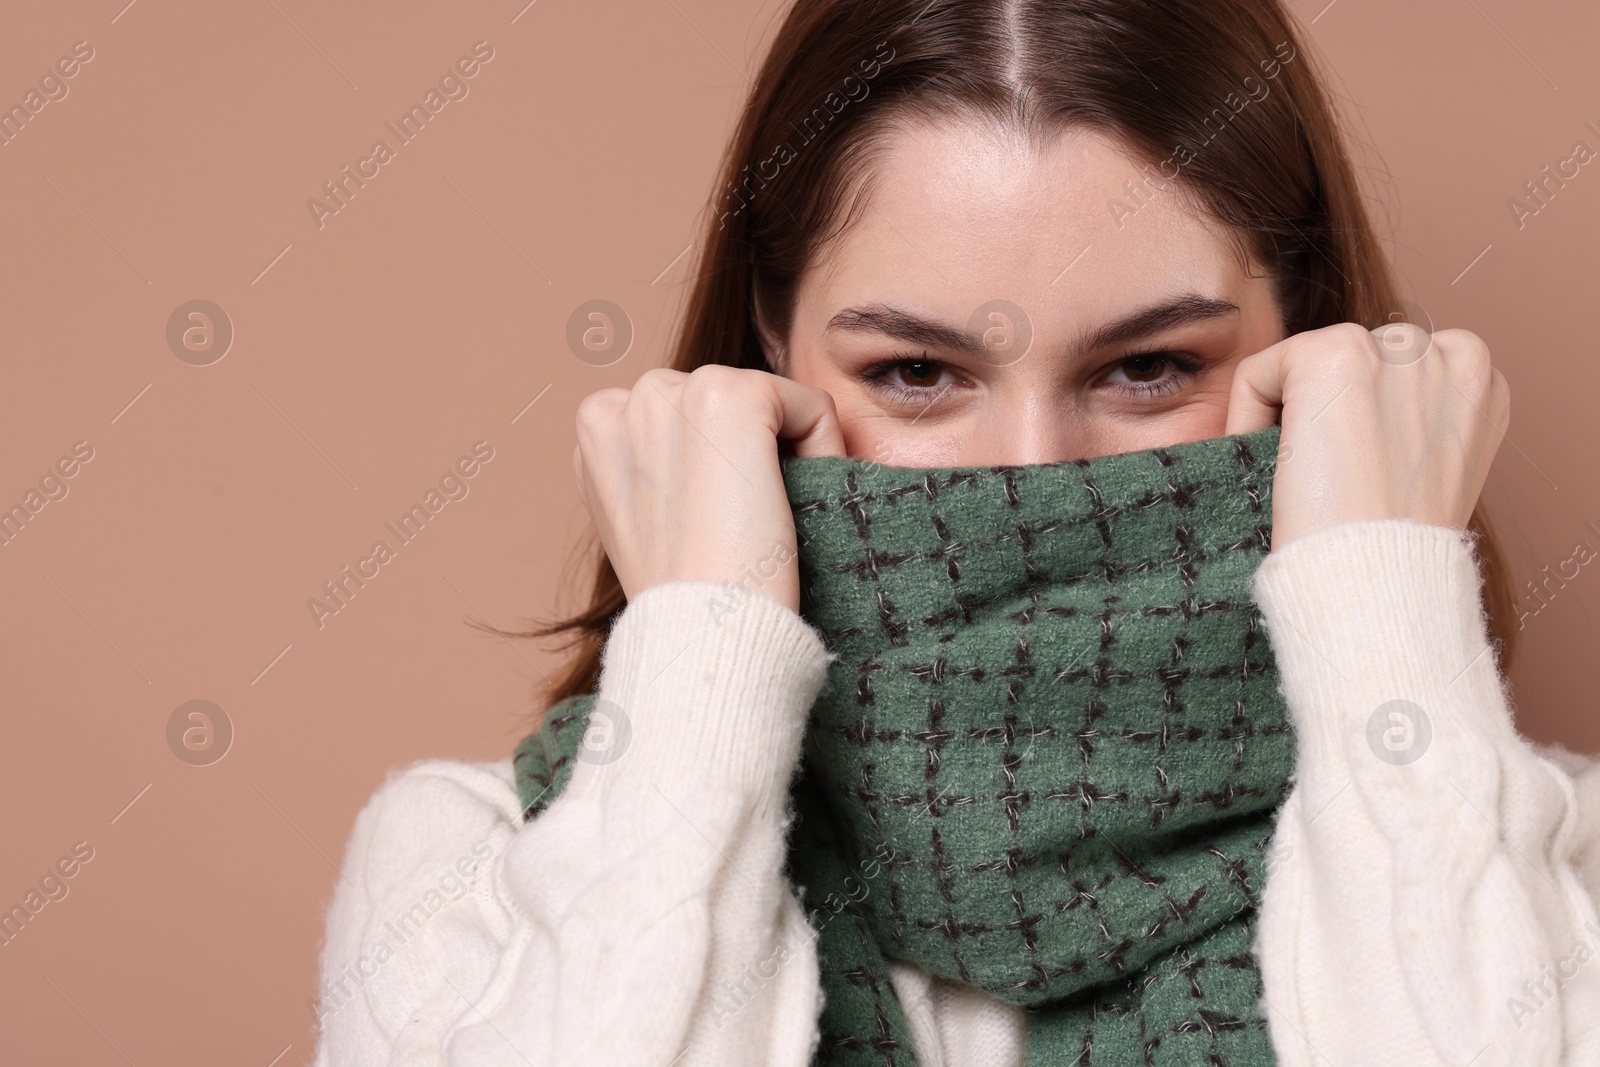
(913, 380)
(1152, 373)
(1147, 368)
(918, 373)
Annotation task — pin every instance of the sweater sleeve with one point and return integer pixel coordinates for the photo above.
(643, 916)
(1432, 886)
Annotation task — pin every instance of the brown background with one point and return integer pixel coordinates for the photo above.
(425, 316)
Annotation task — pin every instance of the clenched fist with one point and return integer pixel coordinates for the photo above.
(681, 475)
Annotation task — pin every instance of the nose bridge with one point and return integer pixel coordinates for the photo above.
(1033, 425)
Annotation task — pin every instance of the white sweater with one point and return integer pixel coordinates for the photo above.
(1432, 912)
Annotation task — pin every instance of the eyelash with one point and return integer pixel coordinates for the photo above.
(1186, 367)
(876, 376)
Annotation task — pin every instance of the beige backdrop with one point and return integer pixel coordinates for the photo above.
(373, 348)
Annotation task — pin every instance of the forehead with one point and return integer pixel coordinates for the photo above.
(957, 213)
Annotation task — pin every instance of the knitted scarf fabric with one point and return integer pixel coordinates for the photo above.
(1048, 755)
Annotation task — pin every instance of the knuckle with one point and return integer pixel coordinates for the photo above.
(1341, 337)
(1349, 334)
(1245, 373)
(1353, 354)
(1468, 356)
(1478, 377)
(1343, 348)
(599, 409)
(718, 387)
(1459, 340)
(600, 403)
(658, 378)
(715, 376)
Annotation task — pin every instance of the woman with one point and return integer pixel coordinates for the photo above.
(1000, 234)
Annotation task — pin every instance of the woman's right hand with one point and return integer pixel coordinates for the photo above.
(680, 474)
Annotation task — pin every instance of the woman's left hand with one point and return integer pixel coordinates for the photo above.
(1371, 430)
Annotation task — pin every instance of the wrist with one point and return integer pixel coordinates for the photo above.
(712, 684)
(771, 571)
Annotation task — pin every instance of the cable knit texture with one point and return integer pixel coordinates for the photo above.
(1430, 896)
(1429, 861)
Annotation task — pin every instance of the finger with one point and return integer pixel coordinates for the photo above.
(1500, 404)
(577, 475)
(808, 418)
(1256, 395)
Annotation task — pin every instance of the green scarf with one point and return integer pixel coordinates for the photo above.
(1048, 755)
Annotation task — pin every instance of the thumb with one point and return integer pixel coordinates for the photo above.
(809, 419)
(1256, 396)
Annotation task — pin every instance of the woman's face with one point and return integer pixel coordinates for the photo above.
(1138, 312)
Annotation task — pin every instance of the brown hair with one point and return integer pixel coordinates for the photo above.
(1220, 90)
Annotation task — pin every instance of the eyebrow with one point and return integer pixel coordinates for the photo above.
(908, 326)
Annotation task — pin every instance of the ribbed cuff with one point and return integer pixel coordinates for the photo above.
(1366, 612)
(715, 684)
